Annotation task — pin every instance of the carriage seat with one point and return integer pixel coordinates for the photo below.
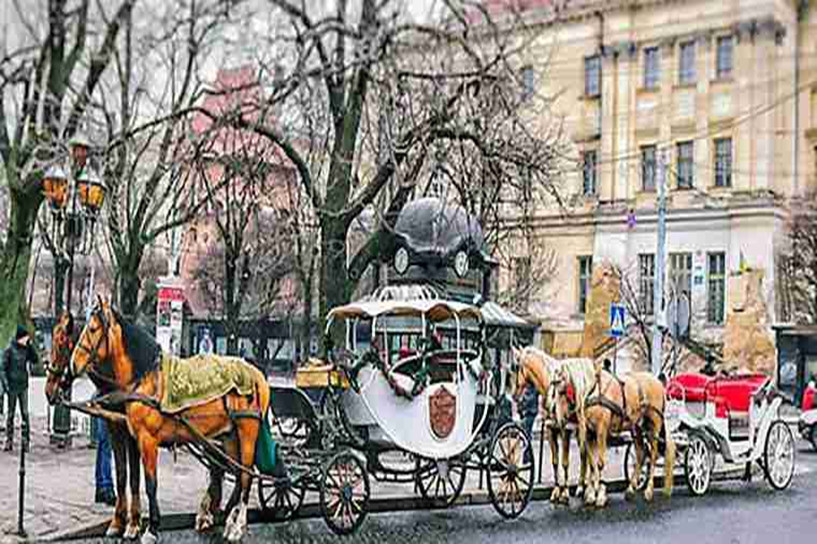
(733, 394)
(689, 386)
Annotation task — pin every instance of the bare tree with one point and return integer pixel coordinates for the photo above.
(383, 101)
(797, 265)
(50, 67)
(241, 275)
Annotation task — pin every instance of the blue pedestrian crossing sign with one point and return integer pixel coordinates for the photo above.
(617, 317)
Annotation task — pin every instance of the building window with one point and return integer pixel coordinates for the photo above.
(648, 167)
(592, 76)
(685, 165)
(646, 283)
(585, 274)
(686, 67)
(652, 71)
(716, 288)
(723, 162)
(681, 272)
(590, 166)
(723, 68)
(528, 81)
(522, 281)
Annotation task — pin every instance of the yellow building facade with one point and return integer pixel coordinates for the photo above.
(724, 94)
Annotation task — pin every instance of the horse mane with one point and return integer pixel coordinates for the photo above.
(582, 375)
(141, 348)
(551, 363)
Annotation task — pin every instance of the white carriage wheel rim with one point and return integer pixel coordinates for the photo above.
(699, 473)
(782, 458)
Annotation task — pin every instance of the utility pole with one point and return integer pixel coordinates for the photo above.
(660, 251)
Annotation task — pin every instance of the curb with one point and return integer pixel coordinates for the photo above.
(185, 521)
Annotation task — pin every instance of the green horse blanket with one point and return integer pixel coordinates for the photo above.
(203, 378)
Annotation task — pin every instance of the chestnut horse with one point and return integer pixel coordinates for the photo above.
(633, 403)
(125, 450)
(111, 345)
(534, 366)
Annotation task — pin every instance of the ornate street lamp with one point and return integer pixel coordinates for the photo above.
(75, 202)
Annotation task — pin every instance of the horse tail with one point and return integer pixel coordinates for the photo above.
(669, 459)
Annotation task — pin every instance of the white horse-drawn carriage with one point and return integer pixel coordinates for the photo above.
(410, 399)
(734, 418)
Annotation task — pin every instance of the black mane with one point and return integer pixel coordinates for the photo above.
(141, 348)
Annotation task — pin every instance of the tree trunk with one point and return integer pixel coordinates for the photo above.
(334, 286)
(16, 257)
(60, 270)
(230, 311)
(306, 320)
(129, 285)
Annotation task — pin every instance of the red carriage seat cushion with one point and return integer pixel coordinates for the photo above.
(735, 392)
(689, 386)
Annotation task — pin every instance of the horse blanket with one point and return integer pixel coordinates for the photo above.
(203, 378)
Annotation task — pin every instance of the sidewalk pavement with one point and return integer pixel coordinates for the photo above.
(60, 485)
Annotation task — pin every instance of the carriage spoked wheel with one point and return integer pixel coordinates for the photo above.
(440, 481)
(344, 492)
(778, 455)
(698, 464)
(280, 499)
(510, 465)
(629, 466)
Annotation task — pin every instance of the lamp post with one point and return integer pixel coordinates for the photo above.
(74, 201)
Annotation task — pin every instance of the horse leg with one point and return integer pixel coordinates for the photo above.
(210, 502)
(648, 492)
(118, 445)
(590, 491)
(247, 429)
(632, 486)
(149, 450)
(564, 497)
(601, 452)
(554, 459)
(134, 463)
(581, 438)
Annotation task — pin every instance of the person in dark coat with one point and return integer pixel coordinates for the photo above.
(528, 410)
(17, 359)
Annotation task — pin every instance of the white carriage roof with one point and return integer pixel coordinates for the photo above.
(435, 310)
(497, 316)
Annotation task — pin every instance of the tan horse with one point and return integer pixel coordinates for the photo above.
(536, 367)
(633, 403)
(125, 521)
(110, 345)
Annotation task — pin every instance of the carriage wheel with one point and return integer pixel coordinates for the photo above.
(280, 499)
(778, 455)
(510, 463)
(813, 437)
(629, 466)
(698, 461)
(441, 481)
(344, 493)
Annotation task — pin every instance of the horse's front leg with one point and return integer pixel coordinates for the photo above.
(210, 502)
(632, 487)
(601, 450)
(149, 450)
(554, 459)
(582, 487)
(564, 497)
(120, 455)
(134, 463)
(653, 458)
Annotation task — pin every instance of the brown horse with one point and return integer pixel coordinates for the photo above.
(535, 367)
(125, 450)
(108, 344)
(634, 403)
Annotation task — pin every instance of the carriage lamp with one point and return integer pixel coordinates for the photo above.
(91, 192)
(79, 146)
(55, 187)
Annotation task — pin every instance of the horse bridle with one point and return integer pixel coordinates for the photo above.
(93, 354)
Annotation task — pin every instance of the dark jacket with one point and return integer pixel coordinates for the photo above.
(16, 361)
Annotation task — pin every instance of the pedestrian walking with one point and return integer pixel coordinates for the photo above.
(528, 410)
(102, 474)
(2, 399)
(17, 359)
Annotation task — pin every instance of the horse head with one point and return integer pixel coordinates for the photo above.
(93, 347)
(62, 344)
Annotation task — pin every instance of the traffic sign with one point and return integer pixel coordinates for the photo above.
(617, 319)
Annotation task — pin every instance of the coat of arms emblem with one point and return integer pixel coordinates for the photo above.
(442, 412)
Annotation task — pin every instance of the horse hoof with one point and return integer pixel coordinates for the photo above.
(149, 538)
(114, 530)
(554, 497)
(132, 532)
(648, 494)
(204, 522)
(580, 492)
(629, 494)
